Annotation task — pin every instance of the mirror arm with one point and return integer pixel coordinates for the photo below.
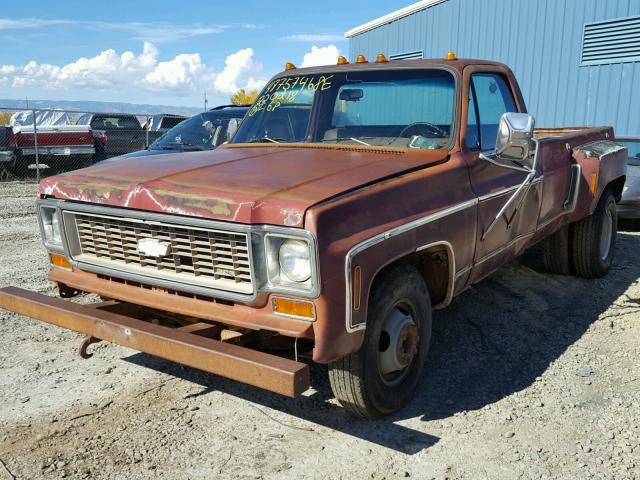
(490, 158)
(523, 185)
(531, 173)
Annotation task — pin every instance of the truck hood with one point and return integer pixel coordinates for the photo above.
(246, 184)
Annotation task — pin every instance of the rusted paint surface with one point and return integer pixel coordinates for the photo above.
(254, 317)
(273, 185)
(316, 186)
(273, 373)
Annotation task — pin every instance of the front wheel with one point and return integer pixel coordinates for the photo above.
(382, 376)
(594, 239)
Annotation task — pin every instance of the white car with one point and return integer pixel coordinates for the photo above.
(629, 206)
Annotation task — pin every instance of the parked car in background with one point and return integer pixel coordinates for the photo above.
(61, 144)
(164, 122)
(116, 134)
(7, 149)
(629, 206)
(204, 131)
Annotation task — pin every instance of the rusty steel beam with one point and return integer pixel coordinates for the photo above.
(259, 369)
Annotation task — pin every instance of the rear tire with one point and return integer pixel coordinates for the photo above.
(594, 239)
(381, 377)
(557, 258)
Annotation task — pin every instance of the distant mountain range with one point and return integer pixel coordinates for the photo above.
(90, 106)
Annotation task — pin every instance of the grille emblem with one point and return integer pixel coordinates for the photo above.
(150, 247)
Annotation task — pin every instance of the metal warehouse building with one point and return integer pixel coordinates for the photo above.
(577, 61)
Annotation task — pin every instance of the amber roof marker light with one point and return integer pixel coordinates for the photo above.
(289, 66)
(450, 56)
(361, 59)
(342, 60)
(380, 58)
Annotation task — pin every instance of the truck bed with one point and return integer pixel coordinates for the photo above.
(545, 132)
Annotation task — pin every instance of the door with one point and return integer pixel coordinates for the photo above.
(498, 228)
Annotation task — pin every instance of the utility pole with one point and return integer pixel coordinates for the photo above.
(205, 101)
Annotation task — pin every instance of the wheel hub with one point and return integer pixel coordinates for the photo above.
(399, 342)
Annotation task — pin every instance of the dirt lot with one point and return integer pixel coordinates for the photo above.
(530, 376)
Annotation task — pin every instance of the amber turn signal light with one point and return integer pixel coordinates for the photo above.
(294, 308)
(450, 56)
(342, 60)
(361, 59)
(593, 183)
(380, 58)
(289, 66)
(357, 287)
(59, 261)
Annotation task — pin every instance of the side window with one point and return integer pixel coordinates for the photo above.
(492, 98)
(97, 123)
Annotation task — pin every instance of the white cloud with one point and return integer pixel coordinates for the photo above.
(185, 74)
(105, 70)
(321, 37)
(240, 71)
(320, 56)
(158, 32)
(7, 69)
(24, 23)
(184, 71)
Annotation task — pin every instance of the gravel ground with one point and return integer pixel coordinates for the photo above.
(530, 376)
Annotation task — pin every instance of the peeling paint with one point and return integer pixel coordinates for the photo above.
(252, 185)
(292, 218)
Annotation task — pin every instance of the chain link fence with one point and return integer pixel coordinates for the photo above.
(36, 143)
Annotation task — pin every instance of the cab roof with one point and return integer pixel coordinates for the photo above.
(458, 64)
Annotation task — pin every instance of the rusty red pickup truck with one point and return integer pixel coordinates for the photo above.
(352, 201)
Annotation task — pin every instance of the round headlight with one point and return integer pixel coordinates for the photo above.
(294, 260)
(56, 234)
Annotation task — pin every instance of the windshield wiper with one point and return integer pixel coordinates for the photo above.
(353, 139)
(359, 141)
(265, 140)
(176, 145)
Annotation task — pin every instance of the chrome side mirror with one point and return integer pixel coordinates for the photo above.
(513, 143)
(515, 132)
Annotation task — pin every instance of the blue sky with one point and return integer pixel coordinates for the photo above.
(166, 52)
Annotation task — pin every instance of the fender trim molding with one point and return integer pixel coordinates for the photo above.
(381, 237)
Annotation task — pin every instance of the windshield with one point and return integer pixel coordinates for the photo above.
(395, 108)
(169, 122)
(204, 131)
(633, 147)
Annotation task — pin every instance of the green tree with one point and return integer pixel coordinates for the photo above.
(242, 97)
(5, 117)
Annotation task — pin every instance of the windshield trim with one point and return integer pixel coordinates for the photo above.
(455, 123)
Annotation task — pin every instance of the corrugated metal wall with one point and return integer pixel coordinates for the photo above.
(541, 40)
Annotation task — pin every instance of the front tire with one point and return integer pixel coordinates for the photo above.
(381, 377)
(594, 239)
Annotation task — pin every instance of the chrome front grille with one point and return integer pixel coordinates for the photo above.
(194, 256)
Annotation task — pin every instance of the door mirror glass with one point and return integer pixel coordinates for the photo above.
(513, 141)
